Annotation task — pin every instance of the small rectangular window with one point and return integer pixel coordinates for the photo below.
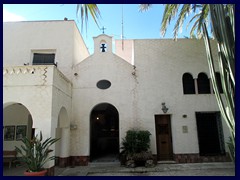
(42, 58)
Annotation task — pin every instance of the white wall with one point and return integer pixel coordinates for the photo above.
(22, 39)
(136, 91)
(160, 65)
(124, 49)
(15, 115)
(86, 95)
(80, 50)
(43, 93)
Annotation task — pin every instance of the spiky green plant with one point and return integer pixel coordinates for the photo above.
(35, 152)
(223, 22)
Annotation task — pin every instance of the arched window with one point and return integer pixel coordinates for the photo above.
(203, 84)
(188, 84)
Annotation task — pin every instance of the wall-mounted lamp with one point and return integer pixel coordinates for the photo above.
(164, 108)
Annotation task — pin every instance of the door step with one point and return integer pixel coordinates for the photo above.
(166, 162)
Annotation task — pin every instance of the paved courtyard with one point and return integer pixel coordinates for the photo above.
(114, 169)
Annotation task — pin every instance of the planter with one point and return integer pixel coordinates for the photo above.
(140, 159)
(40, 173)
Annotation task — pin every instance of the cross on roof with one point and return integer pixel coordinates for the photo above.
(103, 28)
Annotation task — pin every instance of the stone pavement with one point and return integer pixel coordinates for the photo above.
(114, 169)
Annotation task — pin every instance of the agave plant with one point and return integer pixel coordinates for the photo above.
(35, 153)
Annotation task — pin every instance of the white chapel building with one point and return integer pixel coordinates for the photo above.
(52, 84)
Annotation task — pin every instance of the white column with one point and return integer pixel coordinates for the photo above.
(65, 143)
(196, 86)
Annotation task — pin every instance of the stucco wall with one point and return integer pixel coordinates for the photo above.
(86, 95)
(22, 39)
(44, 93)
(15, 115)
(80, 50)
(160, 65)
(59, 97)
(125, 49)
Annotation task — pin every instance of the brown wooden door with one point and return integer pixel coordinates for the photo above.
(163, 137)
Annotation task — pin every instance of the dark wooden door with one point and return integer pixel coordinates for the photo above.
(163, 137)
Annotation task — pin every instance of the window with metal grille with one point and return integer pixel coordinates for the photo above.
(41, 59)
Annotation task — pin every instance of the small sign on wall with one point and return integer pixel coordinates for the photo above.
(184, 129)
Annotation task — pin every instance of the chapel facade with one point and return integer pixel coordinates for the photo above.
(52, 84)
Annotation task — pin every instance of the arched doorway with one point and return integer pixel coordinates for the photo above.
(17, 123)
(104, 125)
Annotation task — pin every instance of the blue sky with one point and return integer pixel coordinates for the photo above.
(137, 25)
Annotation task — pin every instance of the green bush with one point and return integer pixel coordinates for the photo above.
(136, 141)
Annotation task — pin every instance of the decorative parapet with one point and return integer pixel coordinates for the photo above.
(38, 75)
(20, 70)
(27, 75)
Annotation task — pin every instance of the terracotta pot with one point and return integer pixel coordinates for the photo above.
(40, 173)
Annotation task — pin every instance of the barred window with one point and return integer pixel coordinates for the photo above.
(41, 58)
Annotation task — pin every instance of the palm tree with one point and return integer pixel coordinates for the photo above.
(84, 10)
(200, 14)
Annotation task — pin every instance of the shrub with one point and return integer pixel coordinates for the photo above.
(136, 141)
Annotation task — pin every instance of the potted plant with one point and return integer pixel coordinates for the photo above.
(35, 153)
(135, 149)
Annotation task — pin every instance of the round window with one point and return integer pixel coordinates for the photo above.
(103, 84)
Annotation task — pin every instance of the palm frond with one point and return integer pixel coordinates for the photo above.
(202, 18)
(186, 8)
(196, 16)
(144, 7)
(84, 10)
(170, 12)
(192, 31)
